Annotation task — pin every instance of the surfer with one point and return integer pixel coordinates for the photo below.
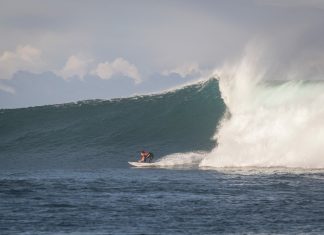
(146, 156)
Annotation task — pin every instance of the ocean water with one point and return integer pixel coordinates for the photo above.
(162, 201)
(231, 157)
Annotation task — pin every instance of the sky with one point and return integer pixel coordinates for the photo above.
(68, 50)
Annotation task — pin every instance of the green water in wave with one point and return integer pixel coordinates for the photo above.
(100, 133)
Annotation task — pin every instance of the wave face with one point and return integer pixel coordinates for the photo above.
(109, 133)
(268, 124)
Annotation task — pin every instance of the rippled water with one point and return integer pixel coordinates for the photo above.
(161, 201)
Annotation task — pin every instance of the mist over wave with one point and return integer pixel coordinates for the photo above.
(269, 124)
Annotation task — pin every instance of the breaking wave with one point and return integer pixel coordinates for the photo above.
(268, 124)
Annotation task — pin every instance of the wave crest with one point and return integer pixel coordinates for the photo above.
(270, 124)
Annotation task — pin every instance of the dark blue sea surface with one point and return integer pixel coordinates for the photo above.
(161, 201)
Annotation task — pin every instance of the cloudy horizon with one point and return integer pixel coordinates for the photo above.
(62, 51)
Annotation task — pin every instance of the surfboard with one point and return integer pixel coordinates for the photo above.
(141, 164)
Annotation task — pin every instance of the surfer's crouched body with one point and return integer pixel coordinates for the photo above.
(146, 156)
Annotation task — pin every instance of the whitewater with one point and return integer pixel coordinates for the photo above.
(267, 123)
(271, 126)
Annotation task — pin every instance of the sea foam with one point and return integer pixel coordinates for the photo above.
(268, 125)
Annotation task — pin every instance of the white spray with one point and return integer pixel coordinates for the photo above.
(269, 125)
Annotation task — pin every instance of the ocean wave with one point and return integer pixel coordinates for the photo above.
(108, 133)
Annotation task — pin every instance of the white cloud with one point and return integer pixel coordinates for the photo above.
(119, 66)
(6, 88)
(185, 70)
(28, 58)
(24, 58)
(75, 66)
